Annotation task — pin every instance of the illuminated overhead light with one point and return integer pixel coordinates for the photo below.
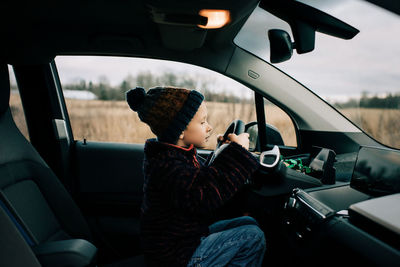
(216, 18)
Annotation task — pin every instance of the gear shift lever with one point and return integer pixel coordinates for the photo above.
(270, 158)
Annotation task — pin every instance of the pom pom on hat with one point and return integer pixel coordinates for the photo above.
(135, 98)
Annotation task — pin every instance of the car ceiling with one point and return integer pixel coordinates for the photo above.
(37, 31)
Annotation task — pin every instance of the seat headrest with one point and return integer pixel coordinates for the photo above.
(4, 88)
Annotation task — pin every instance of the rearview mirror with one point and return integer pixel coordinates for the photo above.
(281, 46)
(304, 21)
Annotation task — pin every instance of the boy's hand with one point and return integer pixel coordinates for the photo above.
(220, 138)
(241, 139)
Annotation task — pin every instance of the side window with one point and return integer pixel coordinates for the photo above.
(280, 129)
(17, 110)
(94, 88)
(280, 120)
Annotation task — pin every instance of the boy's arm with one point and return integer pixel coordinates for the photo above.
(204, 189)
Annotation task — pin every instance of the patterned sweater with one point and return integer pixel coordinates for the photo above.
(181, 194)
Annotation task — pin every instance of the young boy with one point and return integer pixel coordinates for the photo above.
(181, 194)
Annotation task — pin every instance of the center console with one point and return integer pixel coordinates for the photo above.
(356, 222)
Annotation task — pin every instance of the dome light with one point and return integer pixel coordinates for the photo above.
(216, 18)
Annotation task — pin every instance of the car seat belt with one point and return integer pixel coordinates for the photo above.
(20, 228)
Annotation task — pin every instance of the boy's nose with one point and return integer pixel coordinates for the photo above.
(209, 128)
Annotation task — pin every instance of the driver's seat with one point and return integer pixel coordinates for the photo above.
(29, 189)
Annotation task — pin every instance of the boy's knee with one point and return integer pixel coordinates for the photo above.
(249, 220)
(259, 236)
(255, 233)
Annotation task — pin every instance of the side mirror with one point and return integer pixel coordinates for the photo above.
(281, 46)
(274, 137)
(253, 137)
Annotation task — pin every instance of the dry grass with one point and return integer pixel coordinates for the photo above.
(113, 121)
(106, 121)
(381, 124)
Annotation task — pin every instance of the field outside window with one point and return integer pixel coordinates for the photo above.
(95, 97)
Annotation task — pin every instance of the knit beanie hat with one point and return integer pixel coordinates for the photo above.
(167, 110)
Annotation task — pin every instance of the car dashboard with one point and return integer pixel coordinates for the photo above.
(358, 219)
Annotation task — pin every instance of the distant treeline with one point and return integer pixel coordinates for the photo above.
(104, 91)
(391, 101)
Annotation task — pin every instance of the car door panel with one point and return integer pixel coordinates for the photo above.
(109, 181)
(109, 167)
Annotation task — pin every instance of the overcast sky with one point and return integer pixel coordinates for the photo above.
(369, 62)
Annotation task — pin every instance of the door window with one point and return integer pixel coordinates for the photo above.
(94, 88)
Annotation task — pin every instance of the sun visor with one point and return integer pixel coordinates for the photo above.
(182, 38)
(183, 25)
(179, 29)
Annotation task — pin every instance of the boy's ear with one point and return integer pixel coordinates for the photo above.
(182, 135)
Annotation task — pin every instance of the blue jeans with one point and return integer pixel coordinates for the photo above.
(234, 242)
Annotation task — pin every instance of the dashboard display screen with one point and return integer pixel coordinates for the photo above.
(377, 171)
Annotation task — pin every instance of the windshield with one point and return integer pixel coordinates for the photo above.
(360, 77)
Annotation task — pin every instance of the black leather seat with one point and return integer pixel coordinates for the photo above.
(30, 189)
(11, 242)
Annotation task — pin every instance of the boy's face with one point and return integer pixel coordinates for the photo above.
(198, 130)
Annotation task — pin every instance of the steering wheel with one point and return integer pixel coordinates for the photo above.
(237, 127)
(269, 160)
